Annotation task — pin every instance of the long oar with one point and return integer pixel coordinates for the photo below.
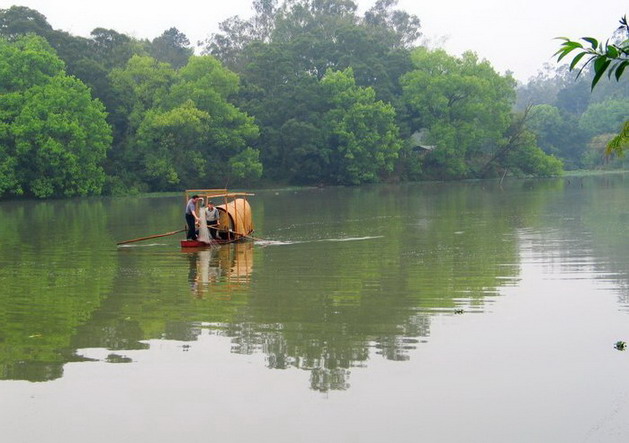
(248, 236)
(150, 237)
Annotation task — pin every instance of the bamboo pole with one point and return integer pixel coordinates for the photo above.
(150, 237)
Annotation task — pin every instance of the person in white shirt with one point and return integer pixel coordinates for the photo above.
(212, 218)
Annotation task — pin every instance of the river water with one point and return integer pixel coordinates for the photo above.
(460, 312)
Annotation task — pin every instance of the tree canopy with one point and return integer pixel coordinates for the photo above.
(178, 128)
(464, 107)
(302, 92)
(53, 134)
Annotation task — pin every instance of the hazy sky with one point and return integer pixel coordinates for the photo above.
(512, 35)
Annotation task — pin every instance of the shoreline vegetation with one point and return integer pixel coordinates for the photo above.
(278, 188)
(274, 99)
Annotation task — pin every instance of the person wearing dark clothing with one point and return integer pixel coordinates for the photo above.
(191, 217)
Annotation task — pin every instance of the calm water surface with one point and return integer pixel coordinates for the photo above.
(467, 312)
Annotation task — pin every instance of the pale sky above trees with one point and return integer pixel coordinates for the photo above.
(515, 36)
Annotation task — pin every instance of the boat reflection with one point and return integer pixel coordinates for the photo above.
(227, 266)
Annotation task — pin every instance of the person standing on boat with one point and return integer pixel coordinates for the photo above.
(212, 217)
(191, 217)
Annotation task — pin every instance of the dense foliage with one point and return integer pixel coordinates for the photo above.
(303, 92)
(284, 52)
(466, 108)
(53, 135)
(176, 128)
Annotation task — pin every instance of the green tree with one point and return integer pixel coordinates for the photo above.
(399, 27)
(134, 90)
(89, 59)
(245, 166)
(604, 117)
(169, 146)
(362, 136)
(141, 85)
(558, 133)
(313, 36)
(53, 135)
(284, 51)
(531, 160)
(462, 103)
(544, 120)
(20, 20)
(557, 117)
(112, 47)
(172, 47)
(180, 128)
(519, 153)
(210, 87)
(61, 139)
(237, 34)
(26, 62)
(301, 151)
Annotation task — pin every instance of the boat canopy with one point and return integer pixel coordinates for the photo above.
(239, 211)
(235, 212)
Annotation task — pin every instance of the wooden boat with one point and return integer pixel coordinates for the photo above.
(235, 220)
(199, 244)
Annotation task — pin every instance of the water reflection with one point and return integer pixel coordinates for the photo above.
(229, 265)
(314, 299)
(52, 276)
(322, 306)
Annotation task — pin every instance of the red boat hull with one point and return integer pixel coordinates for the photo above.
(200, 244)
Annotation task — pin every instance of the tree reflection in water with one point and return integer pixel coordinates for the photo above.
(321, 304)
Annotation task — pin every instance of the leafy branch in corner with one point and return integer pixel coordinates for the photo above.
(612, 58)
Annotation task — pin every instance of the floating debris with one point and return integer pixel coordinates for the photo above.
(459, 311)
(620, 345)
